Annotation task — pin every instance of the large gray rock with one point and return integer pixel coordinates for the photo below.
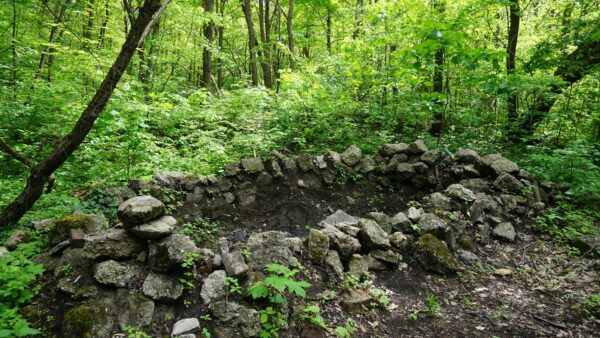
(398, 240)
(253, 165)
(339, 216)
(357, 265)
(441, 202)
(351, 156)
(344, 244)
(139, 210)
(384, 221)
(504, 165)
(431, 157)
(504, 231)
(417, 147)
(318, 246)
(401, 222)
(235, 320)
(460, 193)
(184, 326)
(433, 255)
(134, 310)
(405, 171)
(414, 214)
(162, 287)
(468, 156)
(333, 266)
(366, 164)
(270, 247)
(588, 245)
(170, 252)
(111, 244)
(477, 185)
(176, 180)
(234, 264)
(390, 149)
(431, 223)
(16, 238)
(214, 287)
(372, 236)
(387, 257)
(507, 182)
(156, 229)
(484, 205)
(305, 162)
(116, 274)
(231, 169)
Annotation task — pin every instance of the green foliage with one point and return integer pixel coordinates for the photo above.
(591, 306)
(189, 266)
(233, 286)
(432, 304)
(201, 231)
(312, 314)
(345, 331)
(277, 288)
(17, 275)
(135, 333)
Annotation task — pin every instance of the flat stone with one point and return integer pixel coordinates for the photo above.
(366, 164)
(318, 246)
(357, 301)
(401, 222)
(382, 220)
(235, 320)
(253, 165)
(405, 170)
(305, 162)
(385, 256)
(16, 238)
(333, 266)
(431, 157)
(468, 156)
(112, 244)
(417, 147)
(504, 165)
(433, 255)
(507, 182)
(460, 193)
(162, 287)
(140, 210)
(156, 229)
(504, 231)
(344, 244)
(231, 169)
(372, 236)
(348, 229)
(115, 274)
(185, 326)
(351, 156)
(441, 202)
(431, 223)
(390, 149)
(339, 216)
(170, 252)
(467, 256)
(135, 310)
(234, 264)
(214, 287)
(76, 238)
(357, 265)
(270, 247)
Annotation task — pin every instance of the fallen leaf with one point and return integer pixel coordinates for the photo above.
(503, 272)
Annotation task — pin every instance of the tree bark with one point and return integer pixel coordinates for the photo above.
(13, 47)
(263, 18)
(247, 9)
(511, 51)
(51, 39)
(104, 25)
(41, 172)
(220, 34)
(209, 7)
(290, 33)
(437, 126)
(358, 18)
(328, 32)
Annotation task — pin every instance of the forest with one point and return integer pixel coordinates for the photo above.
(105, 100)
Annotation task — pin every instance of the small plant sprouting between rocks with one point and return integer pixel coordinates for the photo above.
(132, 332)
(233, 287)
(190, 270)
(312, 314)
(277, 287)
(432, 308)
(201, 231)
(345, 331)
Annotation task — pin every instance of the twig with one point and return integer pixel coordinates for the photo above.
(560, 326)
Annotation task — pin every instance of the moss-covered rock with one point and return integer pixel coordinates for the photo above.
(433, 255)
(77, 322)
(60, 231)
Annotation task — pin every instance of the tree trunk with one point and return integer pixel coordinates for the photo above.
(40, 173)
(306, 47)
(328, 32)
(209, 27)
(53, 33)
(13, 47)
(247, 8)
(511, 51)
(290, 33)
(358, 18)
(220, 34)
(265, 63)
(438, 84)
(104, 25)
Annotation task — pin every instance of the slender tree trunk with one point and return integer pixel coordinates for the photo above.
(438, 84)
(41, 172)
(104, 25)
(13, 47)
(53, 34)
(306, 47)
(88, 24)
(358, 18)
(52, 56)
(290, 33)
(247, 8)
(209, 7)
(220, 33)
(328, 32)
(511, 51)
(265, 63)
